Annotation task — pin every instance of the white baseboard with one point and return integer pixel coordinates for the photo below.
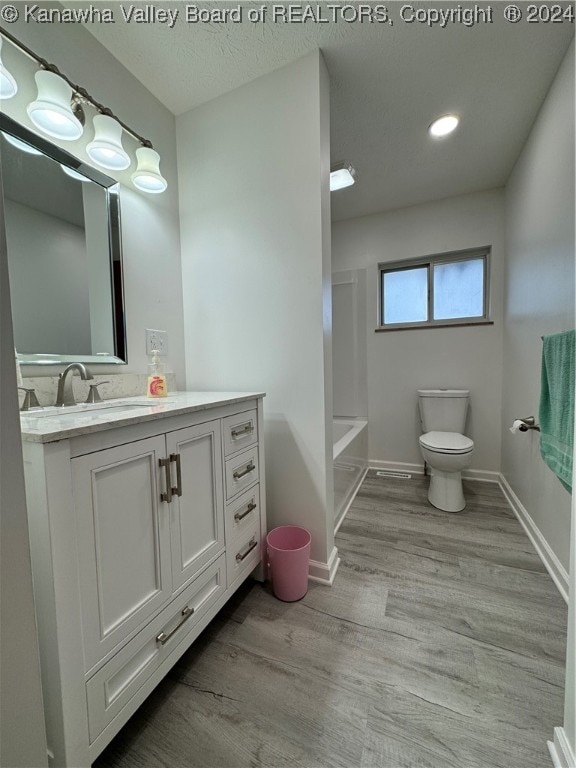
(553, 565)
(486, 475)
(324, 573)
(560, 750)
(352, 496)
(396, 466)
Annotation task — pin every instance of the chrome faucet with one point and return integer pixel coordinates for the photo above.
(65, 394)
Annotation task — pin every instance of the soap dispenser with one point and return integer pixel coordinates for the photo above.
(157, 386)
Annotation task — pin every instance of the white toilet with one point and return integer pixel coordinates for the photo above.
(446, 450)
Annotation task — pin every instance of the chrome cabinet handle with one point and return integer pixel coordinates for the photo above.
(252, 545)
(177, 491)
(240, 516)
(168, 495)
(246, 429)
(249, 468)
(163, 638)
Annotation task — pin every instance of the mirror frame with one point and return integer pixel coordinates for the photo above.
(112, 190)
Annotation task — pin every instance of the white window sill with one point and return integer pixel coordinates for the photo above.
(426, 326)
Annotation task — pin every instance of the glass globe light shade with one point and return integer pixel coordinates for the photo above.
(21, 145)
(51, 111)
(106, 148)
(147, 176)
(8, 85)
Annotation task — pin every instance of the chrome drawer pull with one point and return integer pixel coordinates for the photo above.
(252, 545)
(163, 638)
(168, 495)
(240, 516)
(249, 468)
(246, 429)
(178, 490)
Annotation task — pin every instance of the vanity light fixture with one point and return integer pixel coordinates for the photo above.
(21, 145)
(58, 112)
(147, 176)
(106, 148)
(342, 175)
(8, 86)
(443, 126)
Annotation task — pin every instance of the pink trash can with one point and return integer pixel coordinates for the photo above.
(288, 561)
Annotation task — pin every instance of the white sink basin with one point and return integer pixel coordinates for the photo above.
(85, 409)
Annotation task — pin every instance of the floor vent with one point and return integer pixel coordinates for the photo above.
(389, 473)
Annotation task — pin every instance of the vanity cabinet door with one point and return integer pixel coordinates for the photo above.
(197, 508)
(124, 541)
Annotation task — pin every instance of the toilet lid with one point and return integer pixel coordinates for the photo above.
(447, 442)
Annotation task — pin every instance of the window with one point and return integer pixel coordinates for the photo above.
(447, 289)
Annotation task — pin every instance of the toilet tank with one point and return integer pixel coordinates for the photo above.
(443, 410)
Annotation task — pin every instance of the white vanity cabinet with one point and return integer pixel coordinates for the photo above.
(140, 532)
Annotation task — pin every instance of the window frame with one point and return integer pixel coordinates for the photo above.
(429, 262)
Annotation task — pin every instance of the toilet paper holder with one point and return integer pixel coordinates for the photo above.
(528, 423)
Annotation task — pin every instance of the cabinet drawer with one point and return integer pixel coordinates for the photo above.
(241, 472)
(110, 689)
(244, 555)
(242, 515)
(240, 431)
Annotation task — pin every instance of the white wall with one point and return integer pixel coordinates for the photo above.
(540, 292)
(401, 362)
(48, 264)
(539, 297)
(22, 732)
(349, 364)
(254, 214)
(150, 230)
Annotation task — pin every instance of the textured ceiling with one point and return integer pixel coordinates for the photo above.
(388, 82)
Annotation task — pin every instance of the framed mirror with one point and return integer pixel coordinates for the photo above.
(64, 253)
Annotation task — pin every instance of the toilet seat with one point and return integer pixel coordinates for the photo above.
(446, 442)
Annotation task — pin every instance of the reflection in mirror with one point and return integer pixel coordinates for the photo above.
(64, 256)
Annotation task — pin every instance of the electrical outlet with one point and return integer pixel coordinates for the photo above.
(156, 340)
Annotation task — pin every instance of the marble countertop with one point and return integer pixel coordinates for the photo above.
(46, 425)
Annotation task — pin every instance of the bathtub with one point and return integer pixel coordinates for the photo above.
(350, 463)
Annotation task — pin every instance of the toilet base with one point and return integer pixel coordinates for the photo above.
(445, 491)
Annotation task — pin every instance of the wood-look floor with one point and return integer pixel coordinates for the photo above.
(440, 645)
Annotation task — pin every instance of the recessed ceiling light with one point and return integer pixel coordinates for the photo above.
(443, 126)
(342, 175)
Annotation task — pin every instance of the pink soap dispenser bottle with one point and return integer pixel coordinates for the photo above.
(157, 386)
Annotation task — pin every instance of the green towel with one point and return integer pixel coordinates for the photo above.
(557, 404)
